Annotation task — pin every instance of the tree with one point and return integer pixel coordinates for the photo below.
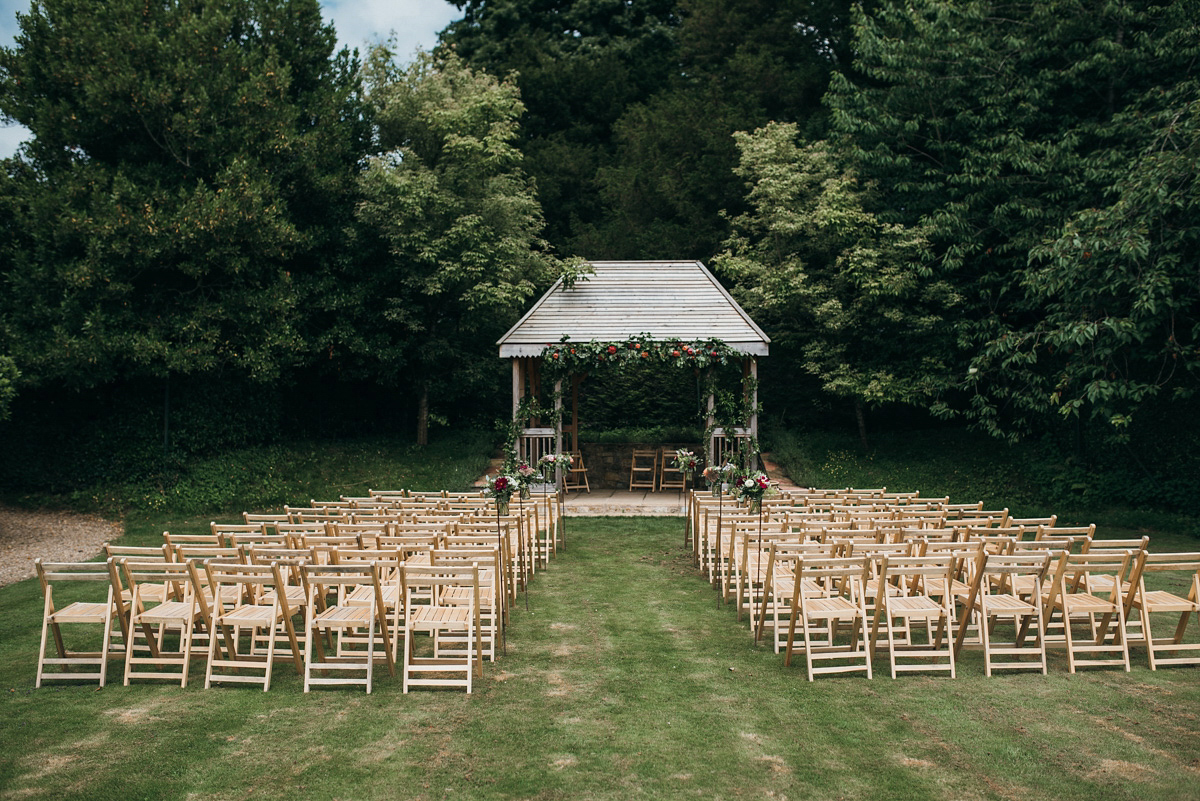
(850, 297)
(579, 64)
(739, 65)
(459, 227)
(185, 160)
(991, 125)
(1121, 287)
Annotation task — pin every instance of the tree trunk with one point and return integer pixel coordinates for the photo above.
(166, 416)
(423, 416)
(862, 424)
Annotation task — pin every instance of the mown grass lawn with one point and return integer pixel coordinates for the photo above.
(624, 680)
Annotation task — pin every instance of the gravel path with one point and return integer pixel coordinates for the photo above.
(54, 536)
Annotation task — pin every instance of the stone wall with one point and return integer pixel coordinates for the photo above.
(608, 463)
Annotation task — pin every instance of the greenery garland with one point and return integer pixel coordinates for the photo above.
(567, 357)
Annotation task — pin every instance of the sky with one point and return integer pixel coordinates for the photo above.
(416, 24)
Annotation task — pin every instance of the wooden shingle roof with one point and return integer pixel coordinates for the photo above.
(665, 299)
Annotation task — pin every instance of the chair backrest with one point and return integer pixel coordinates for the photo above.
(251, 580)
(270, 540)
(208, 540)
(266, 554)
(427, 583)
(270, 520)
(1050, 532)
(1032, 523)
(1074, 569)
(51, 573)
(913, 574)
(1007, 567)
(327, 579)
(147, 553)
(228, 531)
(843, 575)
(201, 552)
(1135, 545)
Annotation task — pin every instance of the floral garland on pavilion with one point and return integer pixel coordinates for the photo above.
(566, 356)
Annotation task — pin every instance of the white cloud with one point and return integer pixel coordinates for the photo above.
(359, 23)
(10, 137)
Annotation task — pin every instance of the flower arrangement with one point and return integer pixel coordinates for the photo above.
(566, 356)
(501, 487)
(716, 476)
(552, 462)
(526, 477)
(686, 462)
(753, 487)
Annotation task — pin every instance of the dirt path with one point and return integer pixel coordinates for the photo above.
(54, 536)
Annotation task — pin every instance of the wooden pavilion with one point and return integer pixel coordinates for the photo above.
(666, 300)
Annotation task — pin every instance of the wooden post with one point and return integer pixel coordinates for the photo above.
(754, 402)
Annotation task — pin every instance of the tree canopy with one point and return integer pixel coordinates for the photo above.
(984, 210)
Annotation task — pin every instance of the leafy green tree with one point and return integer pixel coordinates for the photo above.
(739, 65)
(1120, 285)
(579, 64)
(992, 125)
(186, 160)
(459, 227)
(847, 295)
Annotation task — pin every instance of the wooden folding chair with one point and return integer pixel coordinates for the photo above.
(86, 612)
(643, 469)
(263, 609)
(339, 619)
(117, 553)
(994, 600)
(178, 617)
(1175, 570)
(491, 598)
(918, 581)
(1070, 598)
(576, 475)
(669, 476)
(827, 593)
(775, 609)
(435, 604)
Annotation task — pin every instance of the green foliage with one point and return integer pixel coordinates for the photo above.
(186, 161)
(738, 66)
(458, 226)
(1119, 286)
(8, 389)
(651, 435)
(1032, 479)
(848, 295)
(579, 65)
(996, 127)
(268, 477)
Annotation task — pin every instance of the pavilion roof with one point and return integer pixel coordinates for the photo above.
(664, 299)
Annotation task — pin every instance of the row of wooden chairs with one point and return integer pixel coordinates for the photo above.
(358, 611)
(319, 593)
(972, 572)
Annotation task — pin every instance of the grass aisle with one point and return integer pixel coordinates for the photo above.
(625, 680)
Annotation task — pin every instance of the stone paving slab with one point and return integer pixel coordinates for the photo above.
(624, 503)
